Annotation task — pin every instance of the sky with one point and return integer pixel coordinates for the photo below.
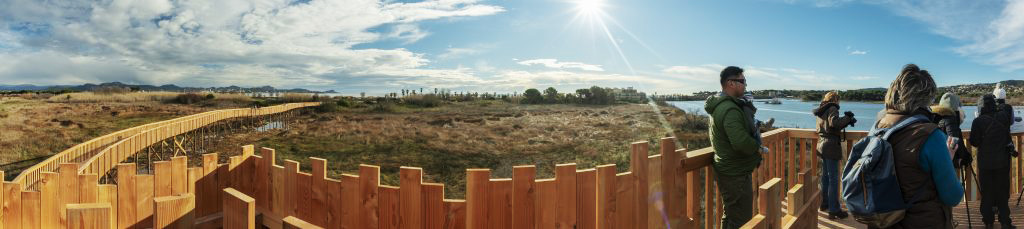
(504, 46)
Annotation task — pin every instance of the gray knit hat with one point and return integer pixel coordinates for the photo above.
(913, 89)
(951, 101)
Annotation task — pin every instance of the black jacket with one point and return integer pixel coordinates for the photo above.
(991, 135)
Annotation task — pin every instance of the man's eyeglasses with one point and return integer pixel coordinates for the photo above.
(742, 81)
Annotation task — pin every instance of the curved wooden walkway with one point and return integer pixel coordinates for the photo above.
(959, 217)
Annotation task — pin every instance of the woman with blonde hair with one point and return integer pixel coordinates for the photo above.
(830, 130)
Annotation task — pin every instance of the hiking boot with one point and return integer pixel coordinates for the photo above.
(838, 215)
(823, 208)
(1008, 226)
(989, 226)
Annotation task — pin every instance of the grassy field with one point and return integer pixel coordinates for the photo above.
(448, 139)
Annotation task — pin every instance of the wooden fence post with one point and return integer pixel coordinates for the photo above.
(411, 193)
(477, 183)
(239, 210)
(174, 211)
(91, 216)
(768, 202)
(523, 196)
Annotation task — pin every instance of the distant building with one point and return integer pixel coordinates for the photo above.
(628, 94)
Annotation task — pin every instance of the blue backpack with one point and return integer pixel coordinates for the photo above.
(871, 189)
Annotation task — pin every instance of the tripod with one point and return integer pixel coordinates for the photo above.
(963, 183)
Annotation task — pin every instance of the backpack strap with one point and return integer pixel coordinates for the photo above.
(902, 124)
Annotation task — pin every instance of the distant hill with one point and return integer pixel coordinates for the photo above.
(142, 87)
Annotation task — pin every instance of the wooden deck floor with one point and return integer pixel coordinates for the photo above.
(959, 217)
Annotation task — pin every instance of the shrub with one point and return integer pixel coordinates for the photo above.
(423, 100)
(210, 96)
(189, 98)
(327, 107)
(344, 103)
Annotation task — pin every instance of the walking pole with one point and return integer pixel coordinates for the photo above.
(1019, 196)
(967, 207)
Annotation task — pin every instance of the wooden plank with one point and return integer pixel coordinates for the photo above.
(499, 204)
(291, 198)
(87, 191)
(411, 193)
(477, 183)
(126, 199)
(174, 211)
(107, 193)
(49, 187)
(657, 206)
(239, 210)
(455, 214)
(91, 215)
(625, 206)
(791, 164)
(389, 201)
(606, 190)
(30, 206)
(671, 163)
(291, 222)
(144, 197)
(68, 180)
(586, 195)
(278, 190)
(194, 174)
(369, 179)
(545, 214)
(523, 196)
(265, 179)
(334, 203)
(318, 193)
(303, 198)
(565, 189)
(179, 173)
(350, 202)
(638, 164)
(794, 200)
(768, 202)
(162, 176)
(433, 206)
(207, 198)
(709, 181)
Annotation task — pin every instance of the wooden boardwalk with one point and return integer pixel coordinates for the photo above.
(959, 217)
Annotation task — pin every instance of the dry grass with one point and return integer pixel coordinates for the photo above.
(91, 97)
(446, 140)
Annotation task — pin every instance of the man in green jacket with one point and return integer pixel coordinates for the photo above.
(736, 149)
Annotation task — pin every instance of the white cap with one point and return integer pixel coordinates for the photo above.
(999, 93)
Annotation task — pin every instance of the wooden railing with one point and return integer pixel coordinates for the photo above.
(96, 153)
(667, 190)
(672, 189)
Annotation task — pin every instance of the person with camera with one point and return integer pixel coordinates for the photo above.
(990, 135)
(948, 116)
(829, 127)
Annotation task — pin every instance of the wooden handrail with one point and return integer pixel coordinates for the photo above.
(90, 150)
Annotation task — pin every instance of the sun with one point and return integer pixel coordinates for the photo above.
(589, 7)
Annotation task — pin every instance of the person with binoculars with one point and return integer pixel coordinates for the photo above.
(830, 134)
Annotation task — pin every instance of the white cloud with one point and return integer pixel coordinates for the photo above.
(554, 63)
(858, 52)
(200, 43)
(864, 78)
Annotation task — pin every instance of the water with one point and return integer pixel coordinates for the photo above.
(797, 114)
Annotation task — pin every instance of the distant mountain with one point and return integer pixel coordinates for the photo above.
(142, 87)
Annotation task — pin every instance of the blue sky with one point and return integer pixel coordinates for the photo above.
(501, 46)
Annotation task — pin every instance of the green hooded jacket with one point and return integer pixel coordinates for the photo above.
(735, 148)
